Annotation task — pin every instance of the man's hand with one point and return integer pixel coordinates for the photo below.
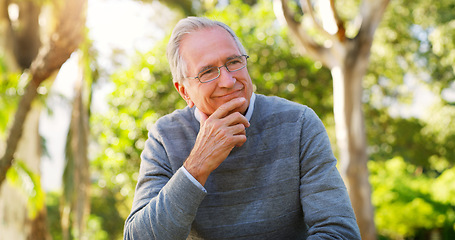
(219, 134)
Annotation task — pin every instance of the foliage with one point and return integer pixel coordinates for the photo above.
(53, 213)
(185, 7)
(140, 98)
(410, 203)
(95, 228)
(440, 124)
(412, 172)
(29, 182)
(426, 143)
(414, 46)
(11, 88)
(416, 40)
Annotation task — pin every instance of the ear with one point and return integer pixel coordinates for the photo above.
(182, 91)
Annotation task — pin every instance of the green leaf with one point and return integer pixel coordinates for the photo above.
(20, 176)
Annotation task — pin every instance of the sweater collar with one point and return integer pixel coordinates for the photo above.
(249, 111)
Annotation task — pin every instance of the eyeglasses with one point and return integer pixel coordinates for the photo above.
(211, 73)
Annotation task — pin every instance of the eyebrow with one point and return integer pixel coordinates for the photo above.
(206, 68)
(232, 57)
(211, 65)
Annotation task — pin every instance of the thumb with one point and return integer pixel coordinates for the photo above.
(203, 117)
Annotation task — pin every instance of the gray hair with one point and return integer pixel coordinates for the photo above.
(183, 27)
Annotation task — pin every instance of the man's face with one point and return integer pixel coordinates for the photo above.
(207, 48)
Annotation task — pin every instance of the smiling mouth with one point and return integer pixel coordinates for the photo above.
(230, 94)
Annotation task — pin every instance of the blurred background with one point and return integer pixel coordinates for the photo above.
(81, 81)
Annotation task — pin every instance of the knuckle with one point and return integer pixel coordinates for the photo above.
(216, 124)
(238, 115)
(223, 131)
(225, 107)
(240, 128)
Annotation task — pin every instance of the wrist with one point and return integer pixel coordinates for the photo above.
(197, 171)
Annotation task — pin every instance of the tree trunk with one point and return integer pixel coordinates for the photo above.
(16, 221)
(351, 136)
(13, 215)
(17, 128)
(348, 61)
(27, 33)
(63, 41)
(39, 226)
(76, 177)
(6, 38)
(19, 40)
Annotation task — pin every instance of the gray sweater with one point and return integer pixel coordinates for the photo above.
(281, 184)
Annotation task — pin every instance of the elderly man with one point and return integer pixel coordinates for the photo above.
(234, 164)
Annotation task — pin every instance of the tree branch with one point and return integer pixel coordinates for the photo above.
(313, 49)
(7, 37)
(371, 12)
(16, 130)
(341, 33)
(313, 18)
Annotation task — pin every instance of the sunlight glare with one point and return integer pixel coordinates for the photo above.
(328, 21)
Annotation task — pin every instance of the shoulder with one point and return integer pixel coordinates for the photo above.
(180, 117)
(272, 110)
(272, 105)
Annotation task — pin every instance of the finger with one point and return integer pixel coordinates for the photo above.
(238, 135)
(238, 129)
(203, 117)
(236, 118)
(239, 140)
(227, 107)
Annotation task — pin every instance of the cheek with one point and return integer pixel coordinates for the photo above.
(212, 104)
(207, 105)
(202, 96)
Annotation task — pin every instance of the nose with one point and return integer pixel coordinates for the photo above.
(226, 79)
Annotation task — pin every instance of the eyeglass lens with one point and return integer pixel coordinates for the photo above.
(232, 65)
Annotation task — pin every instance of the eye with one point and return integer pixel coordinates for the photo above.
(234, 61)
(208, 72)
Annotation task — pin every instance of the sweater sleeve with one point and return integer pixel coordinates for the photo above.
(165, 204)
(325, 202)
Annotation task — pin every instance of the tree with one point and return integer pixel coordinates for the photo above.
(347, 58)
(413, 50)
(416, 43)
(61, 43)
(24, 50)
(75, 200)
(20, 39)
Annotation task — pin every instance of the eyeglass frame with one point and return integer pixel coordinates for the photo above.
(219, 69)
